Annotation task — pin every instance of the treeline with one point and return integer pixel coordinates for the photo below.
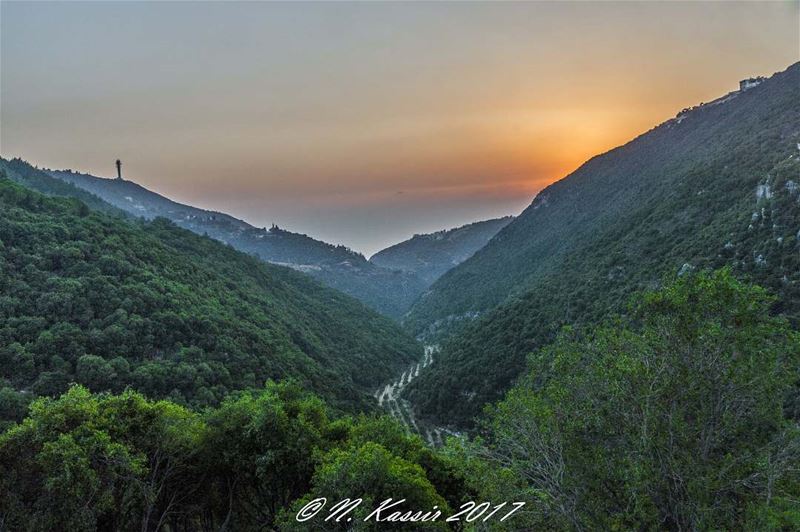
(31, 177)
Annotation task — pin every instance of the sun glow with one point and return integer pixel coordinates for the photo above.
(464, 107)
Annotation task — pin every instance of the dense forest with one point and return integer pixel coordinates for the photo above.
(122, 462)
(718, 185)
(681, 415)
(108, 303)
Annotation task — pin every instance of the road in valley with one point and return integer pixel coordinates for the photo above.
(388, 397)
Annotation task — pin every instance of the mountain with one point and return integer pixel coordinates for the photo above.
(109, 303)
(431, 255)
(718, 185)
(387, 291)
(33, 178)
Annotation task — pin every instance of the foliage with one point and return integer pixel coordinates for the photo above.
(674, 419)
(110, 303)
(263, 451)
(84, 462)
(373, 474)
(122, 462)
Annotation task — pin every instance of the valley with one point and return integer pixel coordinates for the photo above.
(388, 397)
(621, 355)
(175, 314)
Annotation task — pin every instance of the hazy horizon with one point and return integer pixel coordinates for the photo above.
(359, 123)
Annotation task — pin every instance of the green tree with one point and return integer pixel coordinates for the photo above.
(372, 473)
(95, 373)
(13, 406)
(442, 471)
(261, 452)
(88, 462)
(58, 471)
(673, 418)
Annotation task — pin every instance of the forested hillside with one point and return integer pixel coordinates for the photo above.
(431, 255)
(23, 173)
(717, 185)
(681, 416)
(387, 291)
(109, 303)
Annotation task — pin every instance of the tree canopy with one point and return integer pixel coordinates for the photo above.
(122, 462)
(676, 418)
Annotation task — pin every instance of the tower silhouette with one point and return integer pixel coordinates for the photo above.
(119, 169)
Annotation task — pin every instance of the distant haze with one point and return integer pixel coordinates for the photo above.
(363, 123)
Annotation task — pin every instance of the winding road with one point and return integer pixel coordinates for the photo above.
(389, 398)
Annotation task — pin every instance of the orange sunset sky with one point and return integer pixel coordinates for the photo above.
(363, 123)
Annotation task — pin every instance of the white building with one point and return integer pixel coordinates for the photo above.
(749, 83)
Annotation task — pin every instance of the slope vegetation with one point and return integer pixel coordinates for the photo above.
(717, 185)
(93, 299)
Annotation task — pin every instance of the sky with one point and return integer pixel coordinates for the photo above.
(363, 123)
